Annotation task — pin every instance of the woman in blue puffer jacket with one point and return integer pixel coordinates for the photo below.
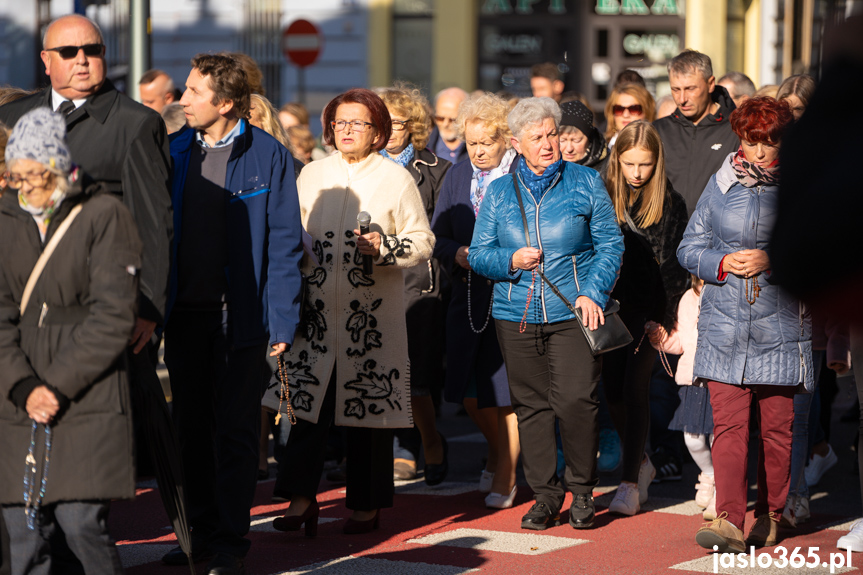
(576, 242)
(754, 339)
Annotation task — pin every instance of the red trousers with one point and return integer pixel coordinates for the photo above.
(731, 405)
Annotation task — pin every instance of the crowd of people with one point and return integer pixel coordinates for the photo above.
(302, 287)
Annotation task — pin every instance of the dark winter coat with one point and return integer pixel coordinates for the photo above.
(265, 243)
(597, 153)
(123, 145)
(769, 341)
(693, 152)
(475, 355)
(89, 286)
(423, 300)
(652, 281)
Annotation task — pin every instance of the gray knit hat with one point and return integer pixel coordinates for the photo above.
(577, 115)
(40, 135)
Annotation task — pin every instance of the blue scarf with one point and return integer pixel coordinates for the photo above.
(402, 159)
(538, 185)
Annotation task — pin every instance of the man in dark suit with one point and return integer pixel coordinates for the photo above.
(117, 142)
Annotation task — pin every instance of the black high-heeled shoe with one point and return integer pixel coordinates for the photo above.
(354, 527)
(435, 473)
(294, 522)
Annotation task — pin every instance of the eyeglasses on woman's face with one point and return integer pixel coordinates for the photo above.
(16, 181)
(400, 125)
(356, 125)
(634, 110)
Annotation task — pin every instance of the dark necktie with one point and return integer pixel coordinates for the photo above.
(66, 107)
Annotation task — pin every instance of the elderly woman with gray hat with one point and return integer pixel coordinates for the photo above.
(555, 217)
(67, 309)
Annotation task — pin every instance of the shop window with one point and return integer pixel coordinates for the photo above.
(602, 43)
(412, 42)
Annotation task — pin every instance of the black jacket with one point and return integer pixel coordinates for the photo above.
(88, 290)
(694, 152)
(597, 153)
(124, 146)
(652, 280)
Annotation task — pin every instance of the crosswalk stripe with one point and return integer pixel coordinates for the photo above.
(351, 565)
(500, 541)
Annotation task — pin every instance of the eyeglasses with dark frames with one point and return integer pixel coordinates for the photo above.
(69, 52)
(442, 119)
(356, 125)
(400, 125)
(635, 110)
(15, 181)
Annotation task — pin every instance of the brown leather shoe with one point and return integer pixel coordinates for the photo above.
(404, 469)
(765, 531)
(721, 534)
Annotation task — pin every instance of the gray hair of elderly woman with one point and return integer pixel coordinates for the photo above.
(490, 111)
(530, 111)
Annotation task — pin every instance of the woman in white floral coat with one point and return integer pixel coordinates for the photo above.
(350, 361)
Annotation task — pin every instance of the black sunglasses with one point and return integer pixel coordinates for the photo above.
(69, 52)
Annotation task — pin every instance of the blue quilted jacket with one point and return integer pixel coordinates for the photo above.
(768, 342)
(577, 232)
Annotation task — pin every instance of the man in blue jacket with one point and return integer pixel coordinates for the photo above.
(234, 290)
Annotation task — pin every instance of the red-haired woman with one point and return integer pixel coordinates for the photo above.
(349, 363)
(754, 339)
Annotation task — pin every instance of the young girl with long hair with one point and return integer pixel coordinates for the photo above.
(652, 217)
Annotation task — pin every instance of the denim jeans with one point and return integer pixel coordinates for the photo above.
(805, 407)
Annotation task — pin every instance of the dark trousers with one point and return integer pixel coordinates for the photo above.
(86, 527)
(731, 409)
(626, 379)
(553, 376)
(368, 453)
(217, 393)
(5, 569)
(664, 400)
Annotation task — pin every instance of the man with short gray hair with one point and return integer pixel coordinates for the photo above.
(739, 86)
(697, 136)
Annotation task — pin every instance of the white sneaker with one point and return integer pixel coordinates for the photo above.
(646, 473)
(485, 481)
(625, 501)
(789, 514)
(854, 539)
(710, 511)
(500, 501)
(801, 510)
(818, 466)
(705, 489)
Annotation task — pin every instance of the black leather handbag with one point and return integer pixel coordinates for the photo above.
(608, 337)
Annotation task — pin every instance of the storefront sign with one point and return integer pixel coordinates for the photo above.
(654, 46)
(512, 44)
(500, 7)
(636, 7)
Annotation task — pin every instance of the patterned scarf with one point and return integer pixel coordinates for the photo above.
(42, 215)
(404, 158)
(751, 175)
(538, 185)
(482, 179)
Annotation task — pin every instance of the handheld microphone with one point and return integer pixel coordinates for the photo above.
(364, 220)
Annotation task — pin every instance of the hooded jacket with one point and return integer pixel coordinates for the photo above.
(694, 152)
(767, 342)
(574, 225)
(72, 337)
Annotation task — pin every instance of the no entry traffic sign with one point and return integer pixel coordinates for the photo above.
(302, 43)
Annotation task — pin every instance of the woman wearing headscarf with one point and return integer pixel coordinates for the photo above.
(412, 124)
(65, 424)
(349, 364)
(754, 338)
(479, 382)
(575, 241)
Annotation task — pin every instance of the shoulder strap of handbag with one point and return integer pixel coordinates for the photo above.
(46, 255)
(632, 225)
(553, 287)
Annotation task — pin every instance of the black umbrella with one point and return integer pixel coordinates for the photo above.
(151, 411)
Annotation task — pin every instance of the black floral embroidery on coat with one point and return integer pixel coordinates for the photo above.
(373, 385)
(302, 400)
(355, 408)
(362, 325)
(394, 248)
(299, 373)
